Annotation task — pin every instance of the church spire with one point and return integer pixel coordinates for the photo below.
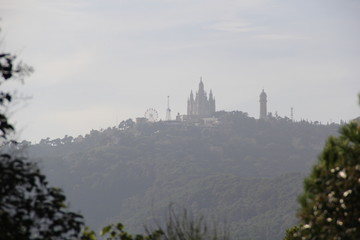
(201, 85)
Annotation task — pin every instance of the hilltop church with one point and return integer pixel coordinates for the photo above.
(201, 105)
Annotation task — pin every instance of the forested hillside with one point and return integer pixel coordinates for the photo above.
(244, 171)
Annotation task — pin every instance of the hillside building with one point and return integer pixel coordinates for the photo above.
(200, 104)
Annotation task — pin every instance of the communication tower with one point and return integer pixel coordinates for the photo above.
(168, 110)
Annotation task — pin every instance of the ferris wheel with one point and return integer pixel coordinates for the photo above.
(151, 115)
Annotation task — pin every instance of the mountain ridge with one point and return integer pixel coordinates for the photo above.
(246, 170)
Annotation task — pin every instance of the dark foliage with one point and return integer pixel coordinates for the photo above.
(8, 70)
(176, 226)
(117, 232)
(29, 208)
(330, 206)
(292, 233)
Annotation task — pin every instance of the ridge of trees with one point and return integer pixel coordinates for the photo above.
(257, 164)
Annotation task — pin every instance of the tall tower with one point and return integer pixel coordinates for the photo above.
(263, 101)
(211, 102)
(190, 105)
(201, 100)
(168, 111)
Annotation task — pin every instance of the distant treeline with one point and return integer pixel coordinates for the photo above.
(246, 171)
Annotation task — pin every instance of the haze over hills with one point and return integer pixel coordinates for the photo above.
(304, 53)
(244, 170)
(97, 62)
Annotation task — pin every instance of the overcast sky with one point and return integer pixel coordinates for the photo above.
(99, 62)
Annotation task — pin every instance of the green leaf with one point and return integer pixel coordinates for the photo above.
(120, 226)
(105, 230)
(88, 234)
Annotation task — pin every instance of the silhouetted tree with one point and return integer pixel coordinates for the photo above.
(126, 124)
(29, 208)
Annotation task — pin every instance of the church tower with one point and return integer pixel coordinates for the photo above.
(191, 104)
(211, 102)
(263, 101)
(200, 104)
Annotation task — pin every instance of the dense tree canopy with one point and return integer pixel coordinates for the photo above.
(244, 170)
(29, 208)
(330, 206)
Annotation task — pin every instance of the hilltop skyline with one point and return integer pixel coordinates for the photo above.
(98, 63)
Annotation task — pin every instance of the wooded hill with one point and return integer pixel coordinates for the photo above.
(243, 171)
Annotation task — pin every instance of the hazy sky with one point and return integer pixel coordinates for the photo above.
(99, 62)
